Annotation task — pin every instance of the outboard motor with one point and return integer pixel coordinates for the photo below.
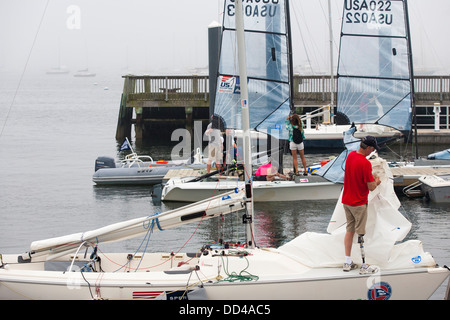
(104, 162)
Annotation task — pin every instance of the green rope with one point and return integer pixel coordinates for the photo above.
(243, 275)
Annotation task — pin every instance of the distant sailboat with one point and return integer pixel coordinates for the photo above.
(84, 73)
(59, 69)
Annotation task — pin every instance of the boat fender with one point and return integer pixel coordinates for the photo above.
(162, 161)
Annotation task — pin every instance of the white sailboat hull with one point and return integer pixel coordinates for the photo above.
(331, 135)
(279, 277)
(263, 191)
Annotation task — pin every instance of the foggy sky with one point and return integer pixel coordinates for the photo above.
(171, 36)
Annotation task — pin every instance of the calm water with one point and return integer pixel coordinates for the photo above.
(59, 125)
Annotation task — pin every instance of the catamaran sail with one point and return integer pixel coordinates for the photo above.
(375, 64)
(268, 58)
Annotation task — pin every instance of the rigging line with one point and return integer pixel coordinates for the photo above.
(303, 39)
(394, 106)
(24, 70)
(276, 109)
(362, 35)
(257, 31)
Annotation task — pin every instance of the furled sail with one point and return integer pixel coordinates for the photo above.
(206, 209)
(375, 65)
(268, 67)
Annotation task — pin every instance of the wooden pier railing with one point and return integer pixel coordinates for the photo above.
(166, 91)
(191, 94)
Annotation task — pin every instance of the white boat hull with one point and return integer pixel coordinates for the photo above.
(138, 175)
(436, 188)
(276, 277)
(331, 135)
(263, 191)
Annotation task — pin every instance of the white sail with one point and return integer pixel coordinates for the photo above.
(386, 227)
(268, 66)
(375, 74)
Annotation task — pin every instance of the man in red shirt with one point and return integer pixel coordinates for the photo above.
(358, 181)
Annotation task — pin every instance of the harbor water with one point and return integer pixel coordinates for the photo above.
(53, 127)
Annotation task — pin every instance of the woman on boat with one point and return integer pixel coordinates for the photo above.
(268, 172)
(296, 137)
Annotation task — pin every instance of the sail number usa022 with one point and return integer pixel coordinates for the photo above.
(363, 11)
(255, 8)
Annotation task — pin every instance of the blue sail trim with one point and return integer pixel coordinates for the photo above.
(334, 170)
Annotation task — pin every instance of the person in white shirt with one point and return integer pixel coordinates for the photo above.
(215, 146)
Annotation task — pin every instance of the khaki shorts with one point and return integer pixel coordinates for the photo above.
(215, 153)
(356, 218)
(295, 146)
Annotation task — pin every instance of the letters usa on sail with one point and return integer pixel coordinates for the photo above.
(374, 12)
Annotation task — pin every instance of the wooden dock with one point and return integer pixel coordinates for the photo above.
(405, 176)
(162, 102)
(182, 173)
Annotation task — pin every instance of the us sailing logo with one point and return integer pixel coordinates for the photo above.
(379, 291)
(227, 84)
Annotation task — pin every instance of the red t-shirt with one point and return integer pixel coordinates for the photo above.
(358, 172)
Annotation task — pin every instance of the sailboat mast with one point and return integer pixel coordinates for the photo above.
(245, 121)
(290, 60)
(411, 72)
(331, 57)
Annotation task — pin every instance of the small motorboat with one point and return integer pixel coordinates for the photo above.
(436, 188)
(140, 170)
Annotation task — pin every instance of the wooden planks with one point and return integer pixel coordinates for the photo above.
(404, 176)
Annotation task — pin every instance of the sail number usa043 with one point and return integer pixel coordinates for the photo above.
(255, 8)
(364, 11)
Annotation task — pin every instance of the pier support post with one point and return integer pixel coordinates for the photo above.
(214, 40)
(437, 114)
(124, 121)
(139, 124)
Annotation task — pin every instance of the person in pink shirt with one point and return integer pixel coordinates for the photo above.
(268, 172)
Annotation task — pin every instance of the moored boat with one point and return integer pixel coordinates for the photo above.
(436, 188)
